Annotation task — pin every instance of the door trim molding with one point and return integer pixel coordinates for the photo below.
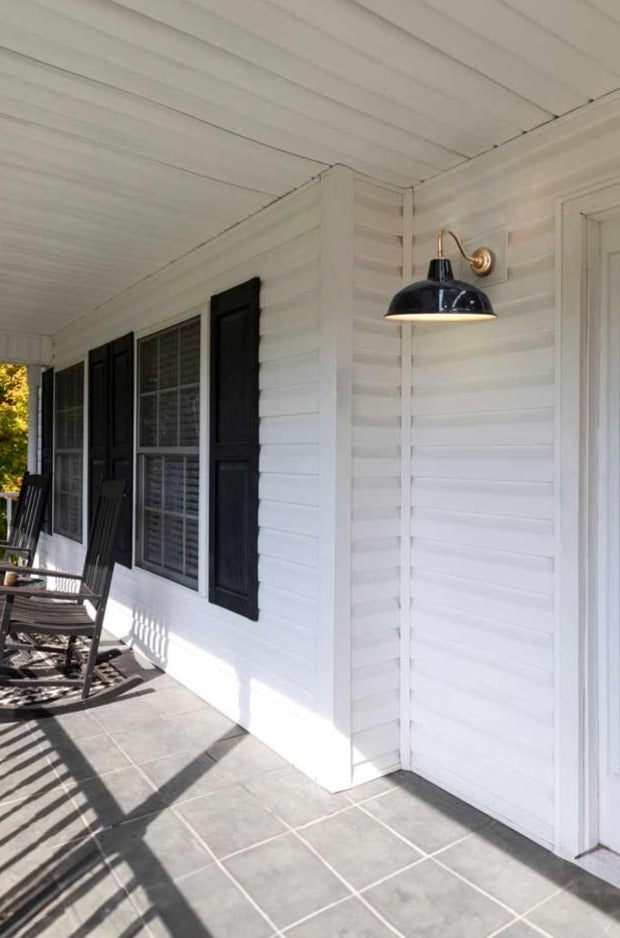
(576, 469)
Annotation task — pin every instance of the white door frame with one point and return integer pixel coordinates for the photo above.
(576, 593)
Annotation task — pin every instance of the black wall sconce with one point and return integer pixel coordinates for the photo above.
(441, 298)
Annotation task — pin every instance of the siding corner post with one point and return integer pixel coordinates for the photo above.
(405, 494)
(34, 380)
(335, 396)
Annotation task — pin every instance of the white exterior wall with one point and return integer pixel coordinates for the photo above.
(485, 481)
(263, 673)
(318, 676)
(408, 538)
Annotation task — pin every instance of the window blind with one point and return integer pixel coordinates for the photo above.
(69, 452)
(168, 461)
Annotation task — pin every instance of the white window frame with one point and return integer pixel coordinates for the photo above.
(60, 451)
(142, 451)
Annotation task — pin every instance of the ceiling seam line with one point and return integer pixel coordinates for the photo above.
(195, 248)
(430, 46)
(499, 84)
(140, 97)
(415, 136)
(137, 156)
(242, 58)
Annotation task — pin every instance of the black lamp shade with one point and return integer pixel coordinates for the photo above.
(440, 298)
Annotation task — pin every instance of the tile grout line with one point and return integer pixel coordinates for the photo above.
(47, 754)
(537, 905)
(503, 928)
(227, 873)
(423, 854)
(479, 889)
(174, 810)
(354, 892)
(28, 798)
(379, 794)
(388, 876)
(536, 928)
(303, 827)
(324, 817)
(62, 786)
(279, 933)
(433, 856)
(311, 915)
(259, 843)
(95, 840)
(289, 827)
(94, 837)
(455, 843)
(97, 833)
(396, 833)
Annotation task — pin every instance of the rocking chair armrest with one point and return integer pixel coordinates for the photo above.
(12, 549)
(47, 594)
(39, 571)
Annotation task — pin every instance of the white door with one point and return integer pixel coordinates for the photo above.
(609, 541)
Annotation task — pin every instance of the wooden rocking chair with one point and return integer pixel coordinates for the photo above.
(29, 611)
(23, 538)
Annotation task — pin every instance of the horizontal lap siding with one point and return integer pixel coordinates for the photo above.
(375, 557)
(281, 245)
(482, 548)
(25, 349)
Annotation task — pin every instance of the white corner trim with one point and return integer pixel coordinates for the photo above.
(405, 494)
(85, 449)
(34, 382)
(574, 746)
(335, 397)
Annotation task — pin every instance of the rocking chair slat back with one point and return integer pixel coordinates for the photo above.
(28, 520)
(99, 562)
(18, 507)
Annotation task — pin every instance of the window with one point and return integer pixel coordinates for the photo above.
(168, 466)
(69, 435)
(234, 449)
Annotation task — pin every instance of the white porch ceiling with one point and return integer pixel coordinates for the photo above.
(131, 131)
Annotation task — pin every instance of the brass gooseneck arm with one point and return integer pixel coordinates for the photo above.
(481, 261)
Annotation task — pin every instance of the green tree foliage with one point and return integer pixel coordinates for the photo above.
(13, 425)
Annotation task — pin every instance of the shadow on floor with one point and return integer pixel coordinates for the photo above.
(49, 887)
(399, 851)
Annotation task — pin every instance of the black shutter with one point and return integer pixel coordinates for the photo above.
(47, 438)
(121, 438)
(233, 454)
(110, 418)
(98, 424)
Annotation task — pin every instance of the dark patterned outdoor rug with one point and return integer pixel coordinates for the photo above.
(110, 678)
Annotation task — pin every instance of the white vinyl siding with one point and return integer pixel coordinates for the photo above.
(263, 674)
(482, 524)
(375, 521)
(25, 349)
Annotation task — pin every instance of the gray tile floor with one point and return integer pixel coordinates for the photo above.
(155, 815)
